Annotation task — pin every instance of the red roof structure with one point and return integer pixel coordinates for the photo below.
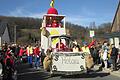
(52, 11)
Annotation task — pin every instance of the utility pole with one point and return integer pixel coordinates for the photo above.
(15, 34)
(92, 28)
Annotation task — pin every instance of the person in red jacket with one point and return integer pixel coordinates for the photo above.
(37, 57)
(55, 24)
(21, 52)
(60, 46)
(9, 66)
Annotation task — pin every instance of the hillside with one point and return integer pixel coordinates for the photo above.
(27, 25)
(23, 22)
(28, 29)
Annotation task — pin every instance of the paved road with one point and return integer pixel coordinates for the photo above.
(27, 73)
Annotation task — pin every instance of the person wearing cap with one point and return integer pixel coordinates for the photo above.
(85, 48)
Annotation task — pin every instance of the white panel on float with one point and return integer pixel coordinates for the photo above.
(44, 43)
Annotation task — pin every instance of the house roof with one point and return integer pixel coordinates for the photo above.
(115, 15)
(3, 26)
(113, 34)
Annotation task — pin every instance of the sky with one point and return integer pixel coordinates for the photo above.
(81, 12)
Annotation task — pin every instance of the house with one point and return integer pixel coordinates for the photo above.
(116, 20)
(114, 37)
(4, 33)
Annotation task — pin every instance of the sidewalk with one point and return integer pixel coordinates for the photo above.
(114, 73)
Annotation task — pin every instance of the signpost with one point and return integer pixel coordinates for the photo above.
(92, 34)
(116, 39)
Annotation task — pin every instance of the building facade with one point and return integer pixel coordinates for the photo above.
(116, 20)
(115, 28)
(4, 33)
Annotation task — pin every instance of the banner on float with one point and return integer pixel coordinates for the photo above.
(56, 31)
(66, 61)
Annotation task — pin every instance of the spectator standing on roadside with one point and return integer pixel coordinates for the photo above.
(21, 52)
(94, 54)
(17, 50)
(114, 55)
(118, 61)
(104, 55)
(29, 54)
(37, 56)
(85, 48)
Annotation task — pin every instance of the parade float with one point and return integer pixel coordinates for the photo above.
(53, 31)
